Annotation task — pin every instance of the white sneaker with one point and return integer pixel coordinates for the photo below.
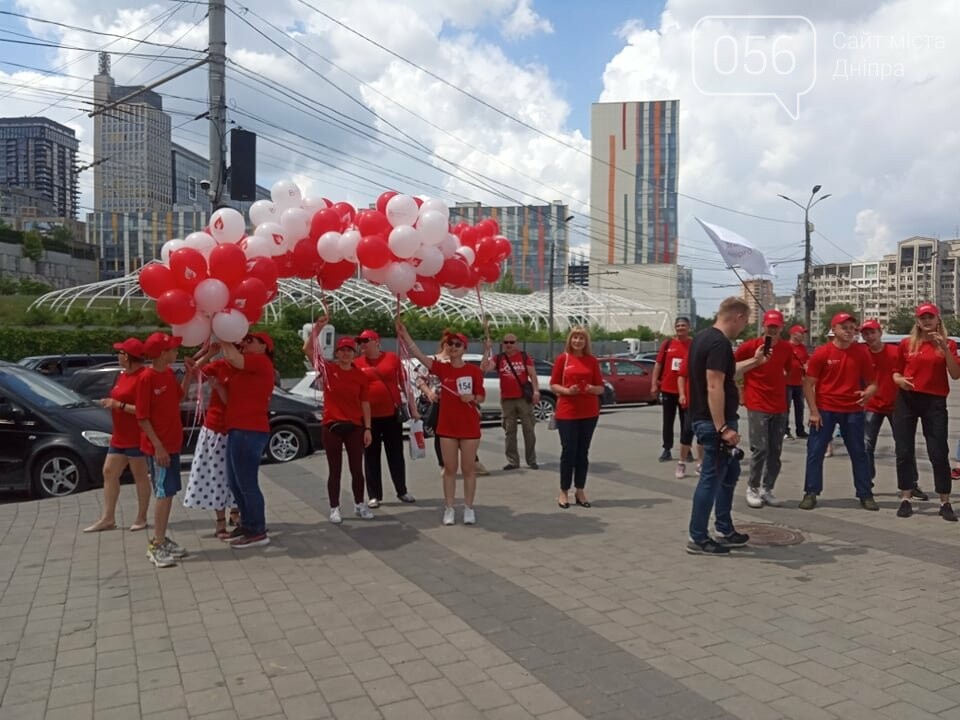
(753, 498)
(373, 503)
(469, 516)
(449, 516)
(335, 516)
(681, 471)
(770, 499)
(363, 511)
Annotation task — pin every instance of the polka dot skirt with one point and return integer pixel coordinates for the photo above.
(207, 487)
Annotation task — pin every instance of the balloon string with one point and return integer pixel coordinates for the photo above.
(483, 315)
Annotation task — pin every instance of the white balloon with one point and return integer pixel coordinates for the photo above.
(433, 227)
(257, 246)
(211, 295)
(430, 261)
(448, 246)
(275, 234)
(168, 247)
(402, 210)
(195, 331)
(467, 254)
(435, 205)
(400, 278)
(285, 194)
(312, 204)
(295, 222)
(458, 292)
(348, 245)
(375, 275)
(227, 225)
(404, 241)
(263, 211)
(230, 325)
(328, 247)
(201, 242)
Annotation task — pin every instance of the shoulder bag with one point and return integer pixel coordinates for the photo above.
(526, 387)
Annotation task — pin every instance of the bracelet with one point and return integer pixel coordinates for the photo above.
(123, 406)
(370, 429)
(723, 429)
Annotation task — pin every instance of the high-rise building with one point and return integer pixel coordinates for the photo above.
(759, 295)
(38, 168)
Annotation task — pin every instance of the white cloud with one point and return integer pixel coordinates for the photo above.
(524, 22)
(873, 233)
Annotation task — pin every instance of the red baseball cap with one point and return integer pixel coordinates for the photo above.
(928, 309)
(346, 342)
(871, 325)
(773, 318)
(132, 347)
(264, 338)
(160, 342)
(797, 329)
(369, 335)
(841, 317)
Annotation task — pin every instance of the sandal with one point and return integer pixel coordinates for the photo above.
(99, 526)
(234, 518)
(138, 526)
(221, 532)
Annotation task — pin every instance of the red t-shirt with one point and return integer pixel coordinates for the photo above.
(343, 392)
(927, 366)
(509, 387)
(248, 396)
(126, 429)
(684, 372)
(840, 375)
(384, 375)
(765, 387)
(672, 352)
(158, 400)
(216, 417)
(800, 357)
(457, 418)
(884, 362)
(570, 370)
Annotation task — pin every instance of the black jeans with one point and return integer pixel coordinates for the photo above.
(931, 411)
(575, 437)
(872, 422)
(671, 405)
(795, 398)
(387, 432)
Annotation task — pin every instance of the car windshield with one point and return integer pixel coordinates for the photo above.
(35, 389)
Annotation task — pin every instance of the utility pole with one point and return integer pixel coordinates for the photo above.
(558, 220)
(807, 229)
(217, 54)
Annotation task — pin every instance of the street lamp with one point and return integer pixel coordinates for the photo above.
(806, 248)
(553, 265)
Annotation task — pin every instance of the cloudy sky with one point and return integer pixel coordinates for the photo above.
(491, 101)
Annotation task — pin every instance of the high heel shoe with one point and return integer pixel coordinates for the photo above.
(583, 503)
(563, 504)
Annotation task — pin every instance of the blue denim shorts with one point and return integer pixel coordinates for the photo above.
(165, 480)
(129, 452)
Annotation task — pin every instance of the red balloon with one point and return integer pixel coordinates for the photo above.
(176, 306)
(425, 293)
(454, 273)
(384, 199)
(373, 222)
(286, 265)
(460, 227)
(496, 225)
(372, 251)
(504, 248)
(474, 278)
(188, 267)
(249, 298)
(487, 228)
(265, 269)
(489, 272)
(326, 220)
(328, 203)
(343, 270)
(469, 237)
(486, 251)
(347, 213)
(331, 277)
(305, 257)
(229, 264)
(272, 292)
(156, 279)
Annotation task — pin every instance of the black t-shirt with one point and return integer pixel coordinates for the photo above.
(711, 350)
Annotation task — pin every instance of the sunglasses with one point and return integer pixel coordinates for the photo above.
(122, 352)
(509, 342)
(363, 341)
(455, 344)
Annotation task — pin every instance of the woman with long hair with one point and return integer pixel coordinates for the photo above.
(346, 418)
(927, 361)
(124, 448)
(458, 427)
(578, 384)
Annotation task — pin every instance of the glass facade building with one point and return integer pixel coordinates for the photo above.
(127, 241)
(38, 158)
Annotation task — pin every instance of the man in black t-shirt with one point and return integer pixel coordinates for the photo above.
(714, 400)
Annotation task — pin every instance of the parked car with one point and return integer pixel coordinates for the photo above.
(52, 441)
(294, 422)
(630, 378)
(646, 356)
(61, 367)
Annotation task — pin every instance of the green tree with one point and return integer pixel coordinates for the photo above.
(952, 324)
(33, 245)
(9, 286)
(62, 234)
(900, 321)
(507, 284)
(829, 311)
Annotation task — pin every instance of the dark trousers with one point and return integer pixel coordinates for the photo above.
(387, 433)
(671, 406)
(872, 422)
(718, 480)
(575, 437)
(795, 398)
(851, 427)
(244, 449)
(931, 411)
(333, 445)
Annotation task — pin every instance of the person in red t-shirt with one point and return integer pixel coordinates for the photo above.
(671, 354)
(124, 448)
(578, 384)
(795, 381)
(765, 397)
(519, 392)
(458, 427)
(386, 399)
(161, 438)
(881, 405)
(926, 362)
(840, 381)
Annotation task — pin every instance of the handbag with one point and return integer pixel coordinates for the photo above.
(431, 415)
(402, 412)
(526, 387)
(552, 423)
(418, 445)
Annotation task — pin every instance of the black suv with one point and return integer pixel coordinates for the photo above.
(294, 422)
(61, 367)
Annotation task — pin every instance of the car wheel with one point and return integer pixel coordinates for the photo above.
(543, 409)
(286, 443)
(57, 474)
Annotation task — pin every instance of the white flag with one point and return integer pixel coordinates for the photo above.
(737, 251)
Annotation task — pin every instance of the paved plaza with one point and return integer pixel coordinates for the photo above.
(536, 612)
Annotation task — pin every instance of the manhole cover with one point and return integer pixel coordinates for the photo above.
(767, 534)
